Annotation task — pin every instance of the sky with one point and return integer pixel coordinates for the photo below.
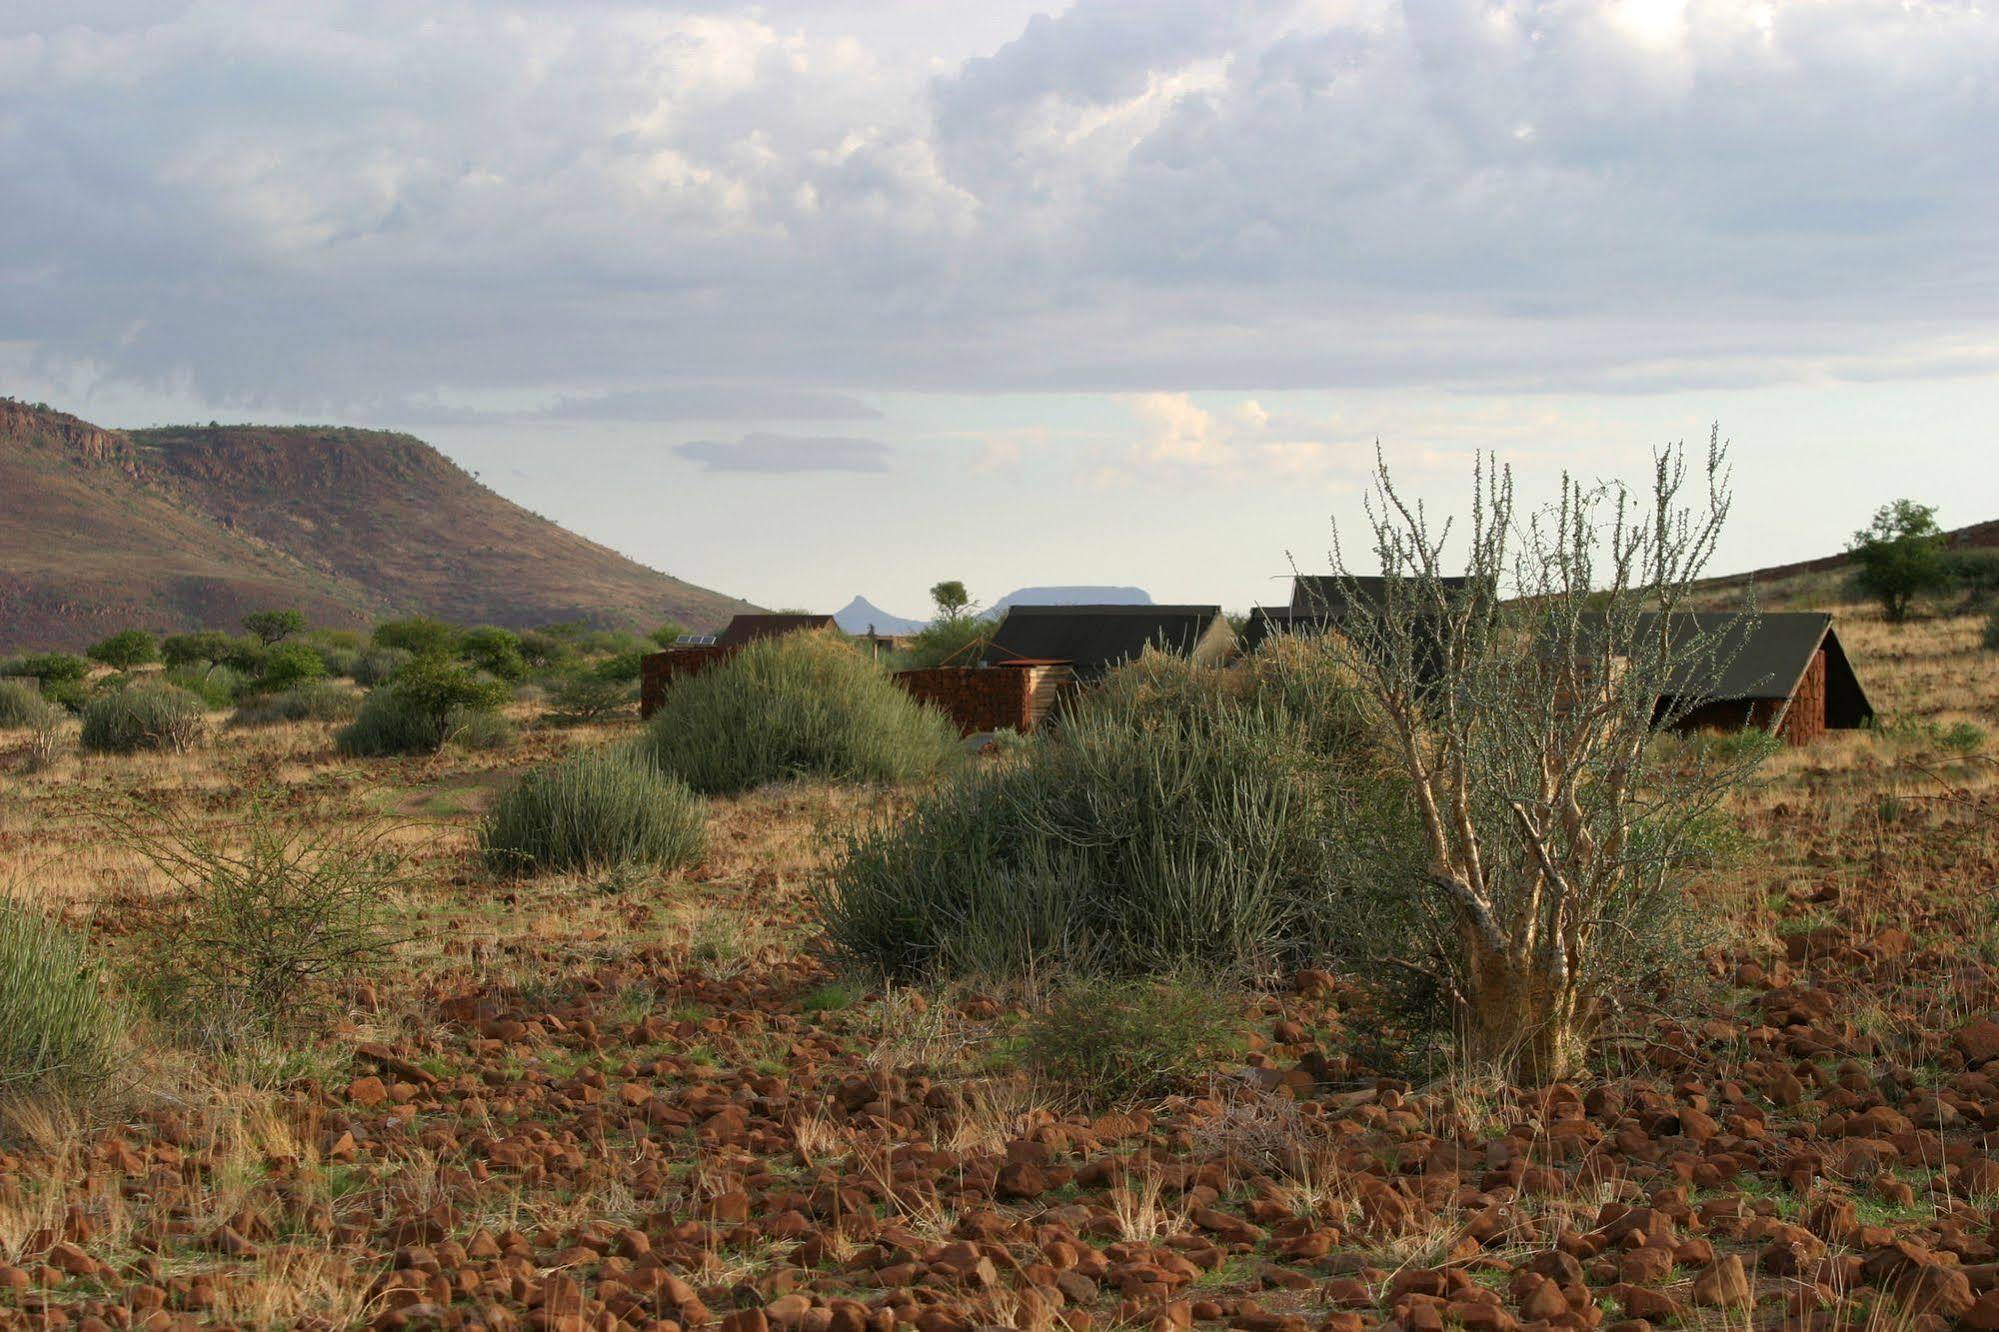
(812, 298)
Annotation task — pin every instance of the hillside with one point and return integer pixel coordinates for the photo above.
(1821, 582)
(195, 526)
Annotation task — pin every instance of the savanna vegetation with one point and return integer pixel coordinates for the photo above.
(1180, 1012)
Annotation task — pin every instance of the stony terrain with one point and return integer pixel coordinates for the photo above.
(191, 528)
(649, 1103)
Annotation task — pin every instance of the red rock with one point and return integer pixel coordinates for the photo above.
(367, 1091)
(1723, 1285)
(1020, 1181)
(1977, 1041)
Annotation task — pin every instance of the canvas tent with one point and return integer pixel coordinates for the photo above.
(1093, 639)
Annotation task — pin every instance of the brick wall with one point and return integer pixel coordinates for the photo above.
(660, 669)
(995, 698)
(992, 699)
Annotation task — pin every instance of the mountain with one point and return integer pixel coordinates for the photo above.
(1070, 596)
(858, 615)
(192, 527)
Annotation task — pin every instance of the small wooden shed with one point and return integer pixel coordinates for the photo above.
(1783, 672)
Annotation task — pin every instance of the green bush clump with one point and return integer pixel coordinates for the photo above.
(1989, 636)
(418, 635)
(61, 673)
(144, 717)
(1115, 1041)
(125, 649)
(23, 708)
(1168, 823)
(802, 705)
(429, 702)
(288, 665)
(495, 651)
(57, 1028)
(597, 810)
(315, 701)
(216, 686)
(380, 665)
(588, 696)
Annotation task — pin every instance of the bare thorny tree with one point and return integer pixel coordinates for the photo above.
(1521, 702)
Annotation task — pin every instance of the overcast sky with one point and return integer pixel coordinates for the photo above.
(810, 298)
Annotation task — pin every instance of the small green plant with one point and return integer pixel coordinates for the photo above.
(273, 626)
(379, 666)
(587, 696)
(126, 649)
(314, 701)
(216, 686)
(22, 707)
(1111, 1042)
(144, 717)
(289, 665)
(595, 811)
(430, 702)
(801, 705)
(1961, 737)
(261, 933)
(495, 651)
(57, 1029)
(1989, 636)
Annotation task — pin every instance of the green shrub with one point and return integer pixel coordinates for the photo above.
(597, 810)
(51, 668)
(495, 651)
(957, 642)
(270, 627)
(429, 702)
(203, 646)
(380, 665)
(482, 730)
(338, 661)
(1989, 636)
(263, 932)
(126, 649)
(802, 705)
(216, 686)
(314, 701)
(144, 717)
(585, 696)
(288, 665)
(1147, 833)
(1112, 1042)
(22, 708)
(623, 667)
(419, 635)
(57, 1029)
(668, 633)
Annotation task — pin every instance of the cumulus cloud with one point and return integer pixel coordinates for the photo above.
(376, 200)
(764, 452)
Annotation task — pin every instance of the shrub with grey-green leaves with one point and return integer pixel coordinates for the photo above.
(804, 705)
(58, 1030)
(379, 665)
(597, 810)
(313, 701)
(430, 702)
(144, 717)
(1141, 837)
(22, 707)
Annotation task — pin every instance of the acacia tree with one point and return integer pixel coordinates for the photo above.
(1899, 556)
(1520, 703)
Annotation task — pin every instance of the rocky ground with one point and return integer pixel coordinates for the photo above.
(648, 1103)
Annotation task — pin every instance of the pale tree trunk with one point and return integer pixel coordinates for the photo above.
(1520, 1021)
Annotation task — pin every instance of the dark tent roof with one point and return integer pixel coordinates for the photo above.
(1324, 596)
(1095, 638)
(1763, 656)
(1266, 621)
(748, 628)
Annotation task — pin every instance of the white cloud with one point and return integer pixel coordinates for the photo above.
(373, 200)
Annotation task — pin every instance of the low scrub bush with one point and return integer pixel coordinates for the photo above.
(216, 686)
(144, 717)
(125, 649)
(587, 696)
(22, 707)
(57, 1029)
(430, 702)
(288, 665)
(262, 934)
(597, 810)
(803, 705)
(1989, 636)
(1155, 829)
(380, 665)
(1112, 1042)
(316, 701)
